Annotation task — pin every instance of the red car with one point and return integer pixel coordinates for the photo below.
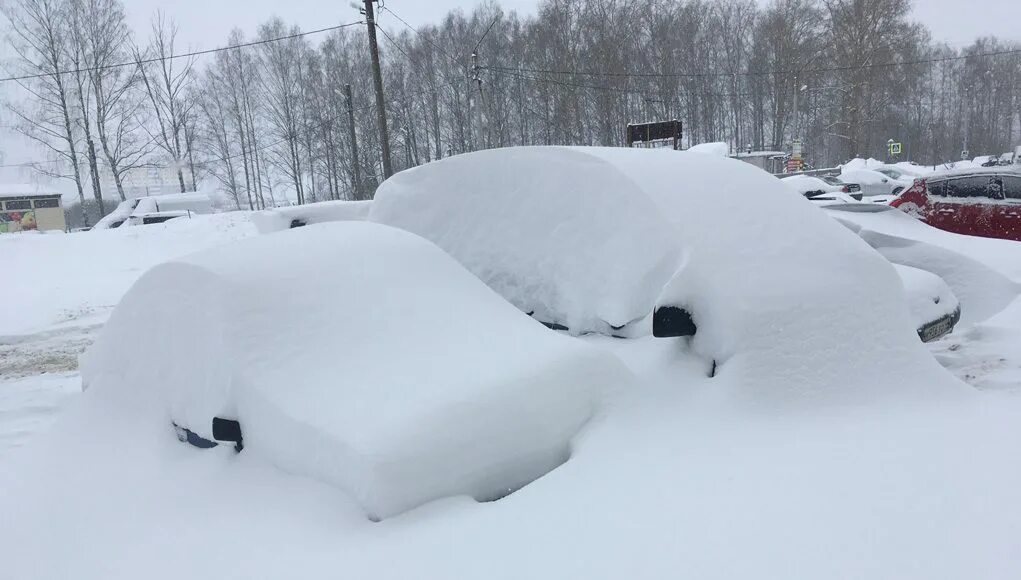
(976, 203)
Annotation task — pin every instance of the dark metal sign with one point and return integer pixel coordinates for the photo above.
(659, 131)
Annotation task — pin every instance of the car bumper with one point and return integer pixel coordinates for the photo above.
(940, 327)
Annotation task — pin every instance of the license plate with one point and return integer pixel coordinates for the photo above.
(936, 330)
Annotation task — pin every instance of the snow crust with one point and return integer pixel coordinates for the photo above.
(276, 219)
(393, 373)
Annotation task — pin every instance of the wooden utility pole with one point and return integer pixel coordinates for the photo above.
(357, 172)
(377, 77)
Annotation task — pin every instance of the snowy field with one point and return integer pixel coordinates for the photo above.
(888, 465)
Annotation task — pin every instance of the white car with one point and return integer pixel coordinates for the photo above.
(822, 191)
(877, 181)
(130, 212)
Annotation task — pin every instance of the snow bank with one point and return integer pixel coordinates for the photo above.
(386, 369)
(554, 230)
(273, 220)
(718, 148)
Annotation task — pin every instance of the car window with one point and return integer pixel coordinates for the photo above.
(1012, 186)
(988, 186)
(936, 187)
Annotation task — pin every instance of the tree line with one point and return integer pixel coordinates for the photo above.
(288, 115)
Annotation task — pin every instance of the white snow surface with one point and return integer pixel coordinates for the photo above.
(718, 148)
(556, 231)
(803, 184)
(440, 388)
(77, 278)
(276, 219)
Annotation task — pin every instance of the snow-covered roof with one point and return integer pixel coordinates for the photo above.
(9, 190)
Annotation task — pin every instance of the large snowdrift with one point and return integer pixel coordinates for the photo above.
(385, 369)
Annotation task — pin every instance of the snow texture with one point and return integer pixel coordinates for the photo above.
(274, 220)
(440, 388)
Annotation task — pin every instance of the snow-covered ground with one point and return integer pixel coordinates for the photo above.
(672, 480)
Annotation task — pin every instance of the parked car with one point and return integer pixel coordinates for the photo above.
(934, 308)
(814, 187)
(157, 217)
(981, 202)
(128, 210)
(877, 181)
(852, 189)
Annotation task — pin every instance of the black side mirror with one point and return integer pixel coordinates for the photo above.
(672, 321)
(228, 430)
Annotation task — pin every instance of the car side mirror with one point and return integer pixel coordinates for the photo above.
(672, 321)
(228, 430)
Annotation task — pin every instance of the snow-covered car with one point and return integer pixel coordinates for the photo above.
(282, 218)
(852, 189)
(810, 186)
(363, 379)
(875, 182)
(649, 220)
(156, 217)
(195, 203)
(934, 308)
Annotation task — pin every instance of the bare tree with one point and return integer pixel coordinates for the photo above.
(166, 83)
(39, 32)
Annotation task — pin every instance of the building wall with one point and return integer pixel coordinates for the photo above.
(34, 215)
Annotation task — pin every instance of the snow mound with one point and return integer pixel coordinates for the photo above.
(393, 373)
(718, 148)
(556, 231)
(281, 218)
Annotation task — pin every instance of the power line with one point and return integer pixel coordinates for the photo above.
(177, 56)
(755, 73)
(424, 37)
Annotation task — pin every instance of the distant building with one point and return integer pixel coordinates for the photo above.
(771, 161)
(24, 208)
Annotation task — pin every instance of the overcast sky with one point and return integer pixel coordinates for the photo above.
(205, 23)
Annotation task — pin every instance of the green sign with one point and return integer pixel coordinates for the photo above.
(895, 148)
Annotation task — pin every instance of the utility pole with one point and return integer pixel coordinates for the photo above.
(377, 77)
(357, 177)
(477, 78)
